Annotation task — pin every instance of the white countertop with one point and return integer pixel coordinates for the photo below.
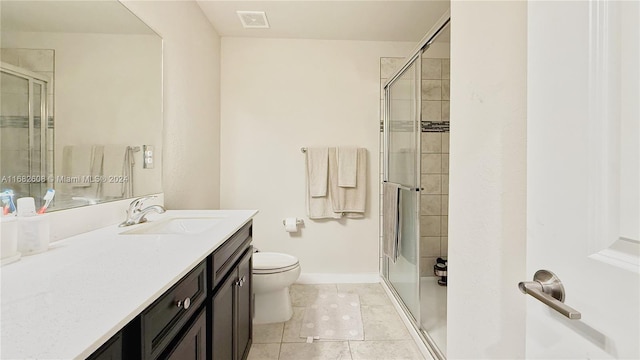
(66, 302)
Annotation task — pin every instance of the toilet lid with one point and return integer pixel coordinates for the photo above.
(271, 262)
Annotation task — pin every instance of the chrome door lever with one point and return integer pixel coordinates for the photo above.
(547, 288)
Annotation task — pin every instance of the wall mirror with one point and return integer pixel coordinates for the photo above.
(80, 102)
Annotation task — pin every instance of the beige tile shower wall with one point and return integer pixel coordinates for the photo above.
(434, 199)
(435, 89)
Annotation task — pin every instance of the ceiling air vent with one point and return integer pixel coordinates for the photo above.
(253, 19)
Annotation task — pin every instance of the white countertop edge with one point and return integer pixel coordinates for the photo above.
(236, 219)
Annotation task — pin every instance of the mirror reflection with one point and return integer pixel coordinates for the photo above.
(81, 102)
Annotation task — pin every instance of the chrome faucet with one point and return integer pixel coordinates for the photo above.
(136, 214)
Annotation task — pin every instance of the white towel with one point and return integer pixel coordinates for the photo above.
(350, 201)
(391, 221)
(113, 170)
(77, 161)
(317, 171)
(347, 166)
(97, 161)
(318, 207)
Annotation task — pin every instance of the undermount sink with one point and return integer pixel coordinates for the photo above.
(177, 225)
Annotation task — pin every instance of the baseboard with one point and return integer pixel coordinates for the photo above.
(327, 278)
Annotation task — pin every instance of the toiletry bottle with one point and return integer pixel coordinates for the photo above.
(33, 229)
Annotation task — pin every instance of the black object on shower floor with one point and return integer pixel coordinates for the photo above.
(440, 269)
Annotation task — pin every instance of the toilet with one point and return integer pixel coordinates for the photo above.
(273, 273)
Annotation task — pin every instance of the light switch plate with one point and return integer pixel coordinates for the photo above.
(147, 156)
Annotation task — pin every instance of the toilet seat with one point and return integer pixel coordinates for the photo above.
(273, 263)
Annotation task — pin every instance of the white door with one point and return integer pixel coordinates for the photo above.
(582, 176)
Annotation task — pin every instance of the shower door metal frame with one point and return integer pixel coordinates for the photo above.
(416, 56)
(417, 124)
(34, 78)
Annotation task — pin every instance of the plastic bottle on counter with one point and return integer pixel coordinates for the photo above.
(33, 229)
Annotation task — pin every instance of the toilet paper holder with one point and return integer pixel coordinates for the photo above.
(298, 222)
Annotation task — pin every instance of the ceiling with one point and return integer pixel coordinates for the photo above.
(105, 17)
(381, 20)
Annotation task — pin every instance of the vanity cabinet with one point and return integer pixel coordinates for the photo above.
(232, 299)
(231, 323)
(208, 314)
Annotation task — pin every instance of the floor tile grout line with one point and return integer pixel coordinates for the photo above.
(279, 351)
(364, 333)
(350, 350)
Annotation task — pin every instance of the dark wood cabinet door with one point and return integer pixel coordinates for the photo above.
(193, 344)
(244, 302)
(111, 350)
(222, 320)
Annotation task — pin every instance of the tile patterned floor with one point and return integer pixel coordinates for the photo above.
(385, 335)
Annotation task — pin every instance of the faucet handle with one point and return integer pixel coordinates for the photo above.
(136, 204)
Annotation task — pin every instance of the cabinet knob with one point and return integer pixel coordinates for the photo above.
(184, 303)
(240, 281)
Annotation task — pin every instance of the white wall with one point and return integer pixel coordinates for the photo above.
(487, 224)
(191, 157)
(280, 95)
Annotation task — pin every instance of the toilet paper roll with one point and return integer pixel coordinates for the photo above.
(291, 224)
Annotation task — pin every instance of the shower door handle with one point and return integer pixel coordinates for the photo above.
(547, 288)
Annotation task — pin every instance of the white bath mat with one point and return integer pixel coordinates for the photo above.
(333, 317)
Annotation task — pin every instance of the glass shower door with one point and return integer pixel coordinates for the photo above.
(402, 141)
(23, 132)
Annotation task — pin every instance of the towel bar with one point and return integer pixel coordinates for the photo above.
(405, 187)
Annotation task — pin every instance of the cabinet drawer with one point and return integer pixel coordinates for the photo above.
(228, 253)
(163, 319)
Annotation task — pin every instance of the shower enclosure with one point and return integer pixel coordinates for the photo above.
(26, 131)
(415, 157)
